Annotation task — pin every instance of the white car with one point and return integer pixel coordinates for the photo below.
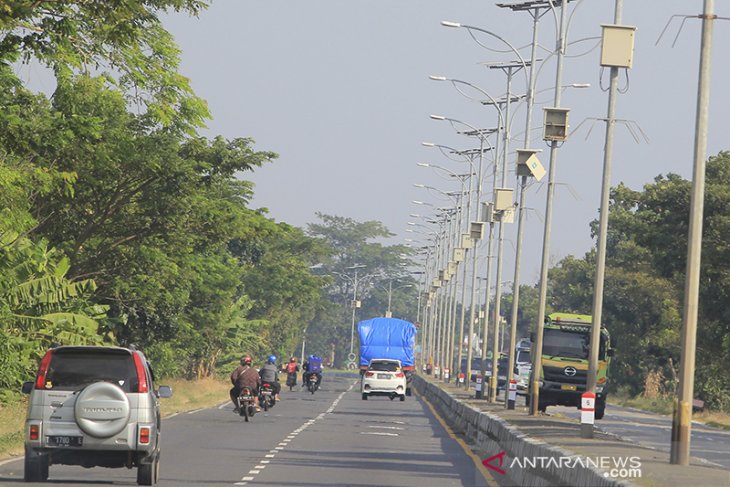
(384, 377)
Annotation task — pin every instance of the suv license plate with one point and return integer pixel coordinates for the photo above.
(383, 376)
(568, 387)
(65, 440)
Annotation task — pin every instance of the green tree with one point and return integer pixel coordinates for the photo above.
(356, 246)
(124, 38)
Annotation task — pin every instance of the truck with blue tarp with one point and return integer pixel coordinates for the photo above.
(388, 338)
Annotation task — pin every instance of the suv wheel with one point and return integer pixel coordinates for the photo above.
(36, 467)
(149, 473)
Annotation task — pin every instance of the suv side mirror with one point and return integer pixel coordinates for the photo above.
(27, 387)
(164, 391)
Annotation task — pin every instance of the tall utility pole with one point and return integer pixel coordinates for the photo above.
(537, 346)
(597, 311)
(681, 424)
(509, 69)
(535, 13)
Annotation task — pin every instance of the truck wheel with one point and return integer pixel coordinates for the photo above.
(600, 409)
(408, 391)
(402, 398)
(364, 397)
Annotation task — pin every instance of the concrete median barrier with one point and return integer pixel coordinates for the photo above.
(488, 432)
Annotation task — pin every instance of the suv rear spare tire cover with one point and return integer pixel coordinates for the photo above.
(102, 409)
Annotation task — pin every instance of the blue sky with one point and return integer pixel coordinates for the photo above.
(341, 91)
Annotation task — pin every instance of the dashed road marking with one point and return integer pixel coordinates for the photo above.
(272, 453)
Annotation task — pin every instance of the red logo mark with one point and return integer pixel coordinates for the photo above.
(500, 456)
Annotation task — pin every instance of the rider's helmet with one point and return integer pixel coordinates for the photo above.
(272, 359)
(246, 360)
(293, 359)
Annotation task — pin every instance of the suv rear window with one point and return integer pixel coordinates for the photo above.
(384, 366)
(72, 370)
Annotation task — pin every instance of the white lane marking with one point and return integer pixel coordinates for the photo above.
(387, 427)
(167, 417)
(379, 433)
(194, 411)
(223, 405)
(283, 443)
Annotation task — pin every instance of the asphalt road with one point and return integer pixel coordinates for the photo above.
(653, 430)
(331, 438)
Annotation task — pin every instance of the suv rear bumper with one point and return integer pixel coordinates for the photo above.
(125, 444)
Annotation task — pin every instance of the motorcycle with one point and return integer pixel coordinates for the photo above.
(313, 382)
(246, 403)
(266, 396)
(291, 380)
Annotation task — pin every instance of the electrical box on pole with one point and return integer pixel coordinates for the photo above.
(477, 230)
(458, 255)
(529, 165)
(617, 46)
(488, 212)
(466, 241)
(555, 127)
(502, 199)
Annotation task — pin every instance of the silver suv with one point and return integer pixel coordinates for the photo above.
(93, 406)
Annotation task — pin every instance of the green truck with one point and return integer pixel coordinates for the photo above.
(565, 352)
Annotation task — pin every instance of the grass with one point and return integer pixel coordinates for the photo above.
(663, 405)
(187, 396)
(12, 417)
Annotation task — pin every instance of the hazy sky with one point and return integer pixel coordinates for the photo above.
(341, 91)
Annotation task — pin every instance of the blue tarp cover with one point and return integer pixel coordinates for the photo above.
(387, 338)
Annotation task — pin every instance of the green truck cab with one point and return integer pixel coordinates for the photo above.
(565, 354)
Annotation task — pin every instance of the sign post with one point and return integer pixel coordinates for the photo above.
(587, 414)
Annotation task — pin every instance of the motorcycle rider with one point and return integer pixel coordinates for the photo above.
(270, 374)
(312, 365)
(291, 372)
(245, 376)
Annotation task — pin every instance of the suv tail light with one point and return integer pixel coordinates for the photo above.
(369, 374)
(400, 374)
(141, 375)
(34, 433)
(40, 380)
(144, 435)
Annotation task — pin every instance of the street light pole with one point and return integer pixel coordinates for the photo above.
(521, 206)
(537, 349)
(354, 307)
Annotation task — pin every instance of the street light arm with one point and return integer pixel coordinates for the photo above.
(471, 28)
